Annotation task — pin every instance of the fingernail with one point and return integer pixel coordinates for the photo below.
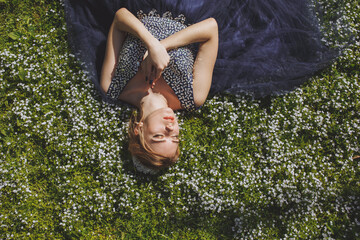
(146, 78)
(151, 81)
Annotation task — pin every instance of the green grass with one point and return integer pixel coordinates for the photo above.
(275, 168)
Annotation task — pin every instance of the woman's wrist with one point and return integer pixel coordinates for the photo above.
(151, 42)
(199, 32)
(165, 44)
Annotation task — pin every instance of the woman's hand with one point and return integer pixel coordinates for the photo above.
(205, 33)
(154, 62)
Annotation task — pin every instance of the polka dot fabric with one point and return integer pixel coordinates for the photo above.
(179, 72)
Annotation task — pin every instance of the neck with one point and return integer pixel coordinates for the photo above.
(151, 102)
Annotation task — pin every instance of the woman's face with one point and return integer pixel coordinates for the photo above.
(161, 131)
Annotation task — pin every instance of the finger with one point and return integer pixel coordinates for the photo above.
(147, 74)
(158, 73)
(145, 55)
(143, 66)
(143, 69)
(147, 69)
(154, 82)
(153, 73)
(151, 78)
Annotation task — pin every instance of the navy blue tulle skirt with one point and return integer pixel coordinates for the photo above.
(265, 46)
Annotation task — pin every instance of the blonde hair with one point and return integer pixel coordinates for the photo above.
(142, 151)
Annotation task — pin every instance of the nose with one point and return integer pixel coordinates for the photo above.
(169, 127)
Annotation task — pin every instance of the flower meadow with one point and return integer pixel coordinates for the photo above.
(279, 167)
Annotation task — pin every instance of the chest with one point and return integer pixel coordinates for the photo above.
(133, 90)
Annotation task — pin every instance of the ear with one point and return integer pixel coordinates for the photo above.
(137, 128)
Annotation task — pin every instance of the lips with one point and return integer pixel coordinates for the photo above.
(169, 118)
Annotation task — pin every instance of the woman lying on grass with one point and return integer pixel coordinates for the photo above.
(154, 132)
(159, 64)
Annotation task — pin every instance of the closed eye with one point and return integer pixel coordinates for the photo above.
(158, 136)
(161, 138)
(175, 138)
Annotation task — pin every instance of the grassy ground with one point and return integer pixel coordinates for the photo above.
(280, 167)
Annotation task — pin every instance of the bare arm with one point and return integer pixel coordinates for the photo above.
(125, 22)
(114, 42)
(205, 32)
